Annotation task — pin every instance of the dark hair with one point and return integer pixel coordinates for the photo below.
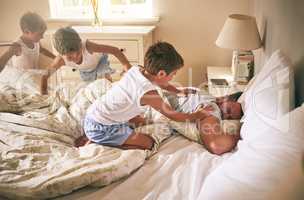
(66, 40)
(162, 56)
(32, 22)
(234, 96)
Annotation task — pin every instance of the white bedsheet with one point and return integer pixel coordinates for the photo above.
(177, 172)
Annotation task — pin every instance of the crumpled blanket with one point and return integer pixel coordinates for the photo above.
(38, 159)
(14, 101)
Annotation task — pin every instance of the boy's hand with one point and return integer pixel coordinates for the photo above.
(15, 49)
(187, 91)
(200, 114)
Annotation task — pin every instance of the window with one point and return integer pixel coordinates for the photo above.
(82, 9)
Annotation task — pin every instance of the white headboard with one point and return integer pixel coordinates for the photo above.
(281, 27)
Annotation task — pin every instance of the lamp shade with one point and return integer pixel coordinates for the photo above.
(240, 32)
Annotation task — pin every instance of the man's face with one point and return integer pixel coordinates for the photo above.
(231, 110)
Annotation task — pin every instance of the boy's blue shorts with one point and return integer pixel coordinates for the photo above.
(102, 68)
(110, 135)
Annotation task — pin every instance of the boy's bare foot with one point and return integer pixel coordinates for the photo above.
(81, 141)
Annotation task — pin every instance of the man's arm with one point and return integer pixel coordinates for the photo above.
(214, 138)
(93, 47)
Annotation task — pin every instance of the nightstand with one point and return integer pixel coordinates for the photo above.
(215, 72)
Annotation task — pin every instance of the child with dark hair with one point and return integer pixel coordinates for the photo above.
(91, 59)
(107, 119)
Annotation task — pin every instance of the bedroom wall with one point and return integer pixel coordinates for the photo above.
(191, 25)
(281, 26)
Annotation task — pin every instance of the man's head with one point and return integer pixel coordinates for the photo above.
(162, 61)
(68, 44)
(229, 106)
(231, 109)
(32, 26)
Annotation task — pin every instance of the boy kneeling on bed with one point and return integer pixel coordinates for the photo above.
(107, 119)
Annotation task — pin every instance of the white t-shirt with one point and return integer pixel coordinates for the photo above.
(28, 58)
(122, 102)
(89, 60)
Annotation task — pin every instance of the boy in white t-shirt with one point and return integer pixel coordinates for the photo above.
(24, 53)
(90, 58)
(107, 119)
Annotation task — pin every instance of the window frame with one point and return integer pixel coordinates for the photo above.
(57, 11)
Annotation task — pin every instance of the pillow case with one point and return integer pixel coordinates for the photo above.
(270, 96)
(261, 166)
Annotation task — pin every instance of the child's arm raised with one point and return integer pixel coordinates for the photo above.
(153, 99)
(46, 52)
(13, 50)
(93, 47)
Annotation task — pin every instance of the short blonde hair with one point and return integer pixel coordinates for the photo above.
(32, 22)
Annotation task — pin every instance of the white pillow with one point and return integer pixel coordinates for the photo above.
(270, 96)
(259, 166)
(27, 81)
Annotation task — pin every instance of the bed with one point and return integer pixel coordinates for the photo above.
(39, 160)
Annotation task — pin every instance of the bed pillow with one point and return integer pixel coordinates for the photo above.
(270, 96)
(276, 63)
(259, 167)
(29, 81)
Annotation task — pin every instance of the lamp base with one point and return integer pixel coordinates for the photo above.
(242, 66)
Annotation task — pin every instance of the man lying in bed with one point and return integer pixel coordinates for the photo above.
(213, 136)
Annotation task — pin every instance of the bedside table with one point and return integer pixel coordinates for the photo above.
(215, 72)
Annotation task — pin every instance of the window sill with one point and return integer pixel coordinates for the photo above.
(107, 21)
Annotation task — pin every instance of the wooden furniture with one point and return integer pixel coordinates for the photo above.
(132, 40)
(215, 72)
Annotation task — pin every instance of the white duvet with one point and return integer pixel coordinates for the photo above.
(38, 159)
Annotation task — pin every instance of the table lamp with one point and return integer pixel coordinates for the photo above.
(241, 34)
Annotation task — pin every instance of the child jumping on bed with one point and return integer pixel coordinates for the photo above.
(24, 53)
(107, 119)
(91, 59)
